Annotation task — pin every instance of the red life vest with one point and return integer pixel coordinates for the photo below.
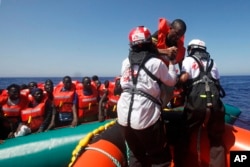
(13, 112)
(88, 104)
(111, 88)
(34, 116)
(104, 152)
(40, 85)
(112, 102)
(30, 97)
(94, 84)
(102, 89)
(3, 97)
(163, 30)
(74, 82)
(112, 98)
(64, 99)
(25, 92)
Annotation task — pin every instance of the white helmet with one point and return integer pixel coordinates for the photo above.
(196, 43)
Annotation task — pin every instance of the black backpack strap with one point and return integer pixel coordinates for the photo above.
(202, 72)
(205, 77)
(198, 62)
(152, 76)
(142, 93)
(219, 87)
(222, 91)
(139, 59)
(135, 59)
(210, 67)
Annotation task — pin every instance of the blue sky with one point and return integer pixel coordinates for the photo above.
(86, 37)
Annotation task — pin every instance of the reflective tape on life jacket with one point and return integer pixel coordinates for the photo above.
(89, 99)
(112, 102)
(14, 110)
(87, 103)
(114, 99)
(64, 99)
(11, 111)
(34, 116)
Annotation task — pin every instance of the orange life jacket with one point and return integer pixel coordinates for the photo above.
(25, 92)
(102, 90)
(111, 88)
(30, 97)
(94, 84)
(13, 112)
(40, 85)
(88, 104)
(74, 82)
(163, 30)
(104, 152)
(3, 97)
(112, 102)
(34, 116)
(112, 98)
(63, 100)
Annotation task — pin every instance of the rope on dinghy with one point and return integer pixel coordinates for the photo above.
(85, 141)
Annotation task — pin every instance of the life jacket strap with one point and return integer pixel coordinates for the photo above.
(139, 92)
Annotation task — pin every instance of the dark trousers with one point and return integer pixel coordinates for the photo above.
(148, 147)
(215, 129)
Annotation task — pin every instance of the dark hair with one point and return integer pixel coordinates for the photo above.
(106, 83)
(36, 90)
(32, 82)
(23, 86)
(95, 78)
(150, 47)
(201, 53)
(67, 77)
(88, 78)
(181, 23)
(14, 86)
(49, 81)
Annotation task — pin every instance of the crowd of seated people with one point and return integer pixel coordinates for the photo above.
(39, 107)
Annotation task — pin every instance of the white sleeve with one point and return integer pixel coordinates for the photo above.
(186, 65)
(125, 65)
(167, 75)
(215, 72)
